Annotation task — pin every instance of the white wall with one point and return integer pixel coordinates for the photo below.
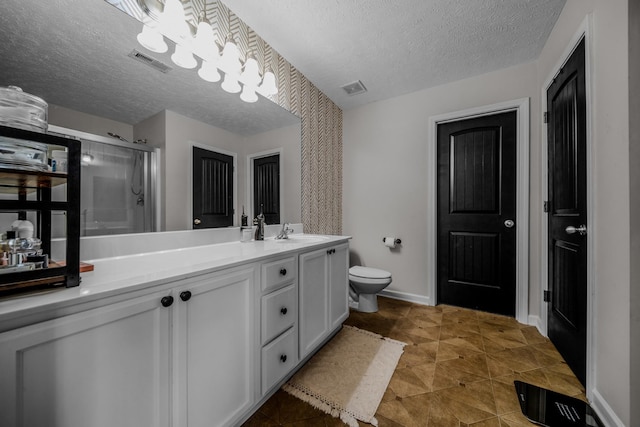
(634, 184)
(386, 170)
(181, 131)
(288, 139)
(61, 116)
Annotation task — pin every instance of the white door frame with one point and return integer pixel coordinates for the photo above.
(521, 106)
(584, 31)
(250, 159)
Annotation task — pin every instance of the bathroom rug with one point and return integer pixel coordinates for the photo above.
(349, 375)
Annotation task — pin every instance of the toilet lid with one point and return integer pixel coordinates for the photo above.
(368, 272)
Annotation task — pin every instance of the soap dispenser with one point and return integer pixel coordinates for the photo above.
(259, 222)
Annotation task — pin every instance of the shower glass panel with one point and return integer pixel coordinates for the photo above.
(117, 193)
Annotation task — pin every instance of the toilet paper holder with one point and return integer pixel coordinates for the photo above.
(396, 241)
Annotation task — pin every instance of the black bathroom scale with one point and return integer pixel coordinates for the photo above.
(550, 409)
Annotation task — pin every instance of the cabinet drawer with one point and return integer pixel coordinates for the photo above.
(279, 312)
(279, 358)
(277, 273)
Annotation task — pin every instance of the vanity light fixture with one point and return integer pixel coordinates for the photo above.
(87, 158)
(172, 23)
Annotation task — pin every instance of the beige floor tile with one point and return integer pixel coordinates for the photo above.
(456, 371)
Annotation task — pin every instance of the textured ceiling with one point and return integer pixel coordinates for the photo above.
(397, 47)
(73, 53)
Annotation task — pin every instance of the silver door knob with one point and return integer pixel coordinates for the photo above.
(581, 230)
(509, 223)
(197, 221)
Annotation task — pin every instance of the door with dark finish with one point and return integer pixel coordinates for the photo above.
(266, 188)
(567, 206)
(212, 189)
(476, 213)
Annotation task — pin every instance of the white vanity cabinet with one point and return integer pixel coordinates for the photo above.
(214, 353)
(190, 347)
(101, 368)
(198, 348)
(323, 289)
(279, 320)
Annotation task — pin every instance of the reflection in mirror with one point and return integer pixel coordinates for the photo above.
(80, 66)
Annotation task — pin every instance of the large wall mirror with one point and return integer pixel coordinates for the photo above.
(78, 56)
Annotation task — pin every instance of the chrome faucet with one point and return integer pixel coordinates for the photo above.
(284, 233)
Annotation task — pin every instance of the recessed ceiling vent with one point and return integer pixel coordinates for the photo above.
(354, 88)
(151, 62)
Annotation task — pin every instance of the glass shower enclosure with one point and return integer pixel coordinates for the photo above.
(118, 185)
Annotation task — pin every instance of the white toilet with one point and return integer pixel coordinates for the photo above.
(364, 284)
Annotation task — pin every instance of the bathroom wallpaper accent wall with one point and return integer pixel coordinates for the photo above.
(321, 145)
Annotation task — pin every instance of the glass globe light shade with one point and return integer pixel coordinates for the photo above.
(152, 40)
(204, 42)
(173, 16)
(268, 86)
(183, 57)
(209, 72)
(230, 83)
(249, 94)
(250, 76)
(230, 60)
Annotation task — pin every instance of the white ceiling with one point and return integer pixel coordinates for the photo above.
(73, 53)
(401, 46)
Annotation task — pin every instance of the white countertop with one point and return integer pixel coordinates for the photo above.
(119, 275)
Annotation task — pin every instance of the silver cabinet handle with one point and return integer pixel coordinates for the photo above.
(509, 223)
(197, 221)
(581, 230)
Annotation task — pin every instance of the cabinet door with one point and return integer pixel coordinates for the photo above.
(339, 285)
(314, 300)
(104, 367)
(215, 349)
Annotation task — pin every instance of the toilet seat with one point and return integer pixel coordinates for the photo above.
(369, 276)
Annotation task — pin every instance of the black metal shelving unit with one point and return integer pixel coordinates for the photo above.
(21, 184)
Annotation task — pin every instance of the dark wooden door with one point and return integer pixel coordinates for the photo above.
(477, 213)
(212, 189)
(266, 188)
(566, 128)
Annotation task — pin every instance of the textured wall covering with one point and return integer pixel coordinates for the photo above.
(321, 146)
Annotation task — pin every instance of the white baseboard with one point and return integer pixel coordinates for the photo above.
(604, 411)
(404, 296)
(536, 321)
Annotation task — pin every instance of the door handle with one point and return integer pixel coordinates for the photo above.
(581, 229)
(197, 221)
(509, 223)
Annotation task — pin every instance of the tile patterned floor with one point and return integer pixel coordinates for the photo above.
(457, 370)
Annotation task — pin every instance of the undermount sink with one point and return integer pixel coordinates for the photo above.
(302, 238)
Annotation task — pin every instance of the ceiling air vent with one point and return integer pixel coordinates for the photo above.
(152, 62)
(354, 88)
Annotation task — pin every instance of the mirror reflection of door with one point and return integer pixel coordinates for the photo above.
(266, 188)
(212, 189)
